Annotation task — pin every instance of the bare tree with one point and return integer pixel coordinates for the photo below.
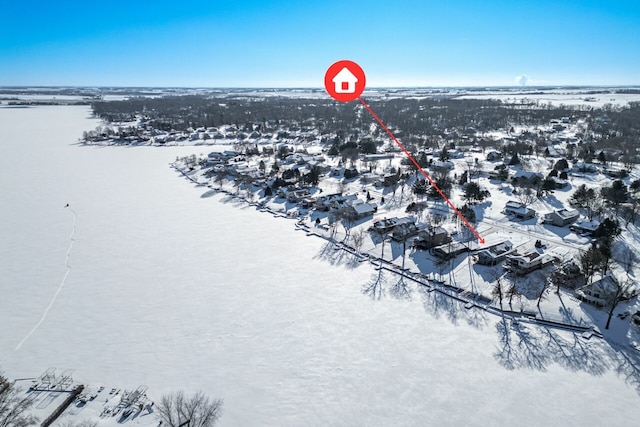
(594, 205)
(543, 291)
(14, 405)
(526, 196)
(357, 238)
(496, 286)
(566, 274)
(333, 230)
(512, 291)
(622, 291)
(348, 220)
(198, 410)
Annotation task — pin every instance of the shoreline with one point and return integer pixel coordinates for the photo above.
(461, 295)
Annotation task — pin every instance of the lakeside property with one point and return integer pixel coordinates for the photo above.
(268, 318)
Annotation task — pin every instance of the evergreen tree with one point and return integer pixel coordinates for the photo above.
(473, 193)
(444, 155)
(616, 194)
(561, 165)
(420, 187)
(608, 229)
(548, 185)
(602, 158)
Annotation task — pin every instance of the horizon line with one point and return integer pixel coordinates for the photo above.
(545, 86)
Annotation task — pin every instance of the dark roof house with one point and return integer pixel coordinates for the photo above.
(561, 217)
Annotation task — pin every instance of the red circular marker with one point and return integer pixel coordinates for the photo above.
(344, 81)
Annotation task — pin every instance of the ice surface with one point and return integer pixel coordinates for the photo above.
(174, 289)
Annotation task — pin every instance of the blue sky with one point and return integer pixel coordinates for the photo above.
(291, 43)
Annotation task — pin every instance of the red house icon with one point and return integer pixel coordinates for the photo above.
(345, 81)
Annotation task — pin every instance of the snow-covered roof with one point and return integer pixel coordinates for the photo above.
(564, 214)
(362, 208)
(499, 249)
(526, 174)
(587, 225)
(512, 204)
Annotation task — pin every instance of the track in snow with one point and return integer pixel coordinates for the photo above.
(62, 282)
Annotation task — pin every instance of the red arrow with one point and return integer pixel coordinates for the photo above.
(426, 175)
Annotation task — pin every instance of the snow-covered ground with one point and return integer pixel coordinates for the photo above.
(557, 97)
(163, 283)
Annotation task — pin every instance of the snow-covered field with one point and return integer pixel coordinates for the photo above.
(557, 97)
(158, 282)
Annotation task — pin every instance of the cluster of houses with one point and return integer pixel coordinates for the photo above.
(520, 263)
(440, 244)
(437, 240)
(559, 218)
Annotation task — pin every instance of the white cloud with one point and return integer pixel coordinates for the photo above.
(522, 80)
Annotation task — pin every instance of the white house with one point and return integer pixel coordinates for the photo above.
(345, 81)
(358, 209)
(449, 250)
(527, 262)
(442, 165)
(598, 292)
(518, 210)
(495, 254)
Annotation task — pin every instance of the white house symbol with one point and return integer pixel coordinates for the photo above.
(345, 81)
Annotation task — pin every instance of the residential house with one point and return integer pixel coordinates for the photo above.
(292, 193)
(224, 155)
(583, 226)
(449, 250)
(389, 180)
(431, 237)
(560, 183)
(342, 202)
(561, 217)
(526, 179)
(584, 167)
(297, 195)
(307, 203)
(368, 177)
(495, 254)
(387, 225)
(493, 156)
(527, 262)
(377, 157)
(359, 209)
(401, 232)
(615, 172)
(327, 201)
(598, 292)
(437, 164)
(518, 210)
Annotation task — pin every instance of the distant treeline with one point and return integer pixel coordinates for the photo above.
(442, 116)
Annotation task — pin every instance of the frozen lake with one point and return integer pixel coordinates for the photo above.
(176, 290)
